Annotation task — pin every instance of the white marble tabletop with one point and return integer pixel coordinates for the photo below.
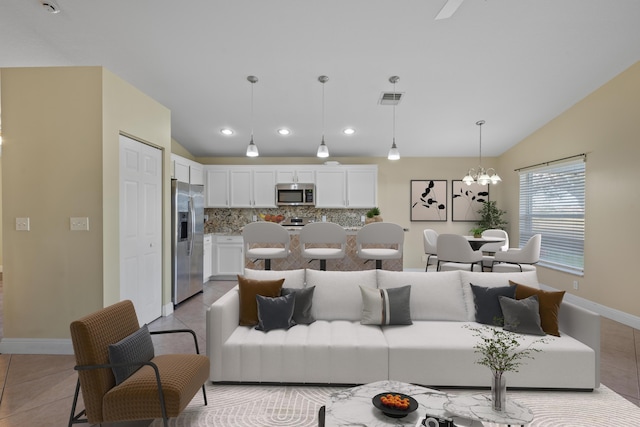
(353, 407)
(478, 407)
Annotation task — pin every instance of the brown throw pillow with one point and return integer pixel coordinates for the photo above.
(549, 305)
(248, 289)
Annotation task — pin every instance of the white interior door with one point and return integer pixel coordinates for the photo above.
(140, 227)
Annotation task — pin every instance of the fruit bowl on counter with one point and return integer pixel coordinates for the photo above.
(272, 218)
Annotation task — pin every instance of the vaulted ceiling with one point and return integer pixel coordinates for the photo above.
(515, 64)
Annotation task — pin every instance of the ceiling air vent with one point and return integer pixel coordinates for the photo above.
(390, 98)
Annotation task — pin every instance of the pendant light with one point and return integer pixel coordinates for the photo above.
(323, 151)
(481, 175)
(394, 154)
(252, 149)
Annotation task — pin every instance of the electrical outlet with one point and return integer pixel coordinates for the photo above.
(255, 218)
(324, 218)
(362, 218)
(575, 285)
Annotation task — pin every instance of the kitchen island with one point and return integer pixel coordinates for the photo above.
(350, 262)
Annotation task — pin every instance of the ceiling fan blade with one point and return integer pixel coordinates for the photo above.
(448, 9)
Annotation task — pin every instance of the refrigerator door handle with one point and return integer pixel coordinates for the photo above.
(192, 221)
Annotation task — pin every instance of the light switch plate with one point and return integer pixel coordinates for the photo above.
(22, 224)
(79, 223)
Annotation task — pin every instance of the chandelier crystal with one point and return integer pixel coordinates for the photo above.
(481, 175)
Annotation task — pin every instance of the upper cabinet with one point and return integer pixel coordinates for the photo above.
(217, 187)
(241, 187)
(297, 174)
(186, 170)
(349, 186)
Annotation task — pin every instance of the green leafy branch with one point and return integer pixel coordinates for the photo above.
(501, 350)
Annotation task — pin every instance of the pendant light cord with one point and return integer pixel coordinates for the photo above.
(322, 111)
(394, 112)
(252, 83)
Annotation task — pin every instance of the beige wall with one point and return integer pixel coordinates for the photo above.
(604, 125)
(60, 159)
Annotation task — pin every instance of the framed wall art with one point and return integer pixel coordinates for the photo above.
(428, 200)
(467, 200)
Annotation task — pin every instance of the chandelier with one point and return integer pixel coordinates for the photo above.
(481, 175)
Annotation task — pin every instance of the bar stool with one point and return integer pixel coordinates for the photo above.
(273, 239)
(380, 233)
(323, 233)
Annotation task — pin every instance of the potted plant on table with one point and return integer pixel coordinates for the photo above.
(477, 231)
(501, 352)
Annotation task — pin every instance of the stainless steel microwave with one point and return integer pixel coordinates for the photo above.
(295, 194)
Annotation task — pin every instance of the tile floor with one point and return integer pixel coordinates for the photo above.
(37, 390)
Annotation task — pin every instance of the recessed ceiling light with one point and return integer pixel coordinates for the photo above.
(349, 131)
(226, 131)
(284, 131)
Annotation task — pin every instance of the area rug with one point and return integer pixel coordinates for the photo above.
(297, 406)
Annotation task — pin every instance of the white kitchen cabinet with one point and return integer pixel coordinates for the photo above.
(295, 174)
(350, 186)
(252, 187)
(207, 253)
(228, 258)
(331, 188)
(362, 187)
(217, 188)
(185, 170)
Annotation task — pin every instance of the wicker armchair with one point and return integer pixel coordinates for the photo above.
(161, 388)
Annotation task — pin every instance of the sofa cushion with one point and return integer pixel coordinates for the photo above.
(434, 296)
(521, 316)
(247, 290)
(549, 305)
(292, 278)
(337, 295)
(304, 301)
(488, 310)
(386, 306)
(488, 280)
(275, 313)
(137, 347)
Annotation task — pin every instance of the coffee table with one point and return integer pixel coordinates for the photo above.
(479, 407)
(351, 407)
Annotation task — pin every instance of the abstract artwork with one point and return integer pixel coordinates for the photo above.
(428, 200)
(467, 200)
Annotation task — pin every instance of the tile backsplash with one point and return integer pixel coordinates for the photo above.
(227, 220)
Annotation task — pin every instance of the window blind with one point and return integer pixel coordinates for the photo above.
(552, 203)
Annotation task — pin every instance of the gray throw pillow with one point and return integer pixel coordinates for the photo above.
(488, 310)
(302, 309)
(522, 315)
(137, 347)
(275, 312)
(386, 306)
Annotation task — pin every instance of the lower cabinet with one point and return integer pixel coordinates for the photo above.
(228, 257)
(207, 252)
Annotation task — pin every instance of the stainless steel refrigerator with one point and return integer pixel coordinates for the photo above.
(187, 229)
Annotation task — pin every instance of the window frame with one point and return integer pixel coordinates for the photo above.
(552, 203)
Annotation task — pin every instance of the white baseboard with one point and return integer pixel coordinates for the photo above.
(602, 310)
(35, 346)
(167, 309)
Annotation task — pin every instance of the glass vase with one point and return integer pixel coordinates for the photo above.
(498, 392)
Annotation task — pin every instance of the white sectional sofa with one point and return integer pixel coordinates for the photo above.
(435, 350)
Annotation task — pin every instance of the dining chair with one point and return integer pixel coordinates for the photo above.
(430, 242)
(488, 249)
(519, 259)
(379, 241)
(323, 241)
(266, 241)
(455, 253)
